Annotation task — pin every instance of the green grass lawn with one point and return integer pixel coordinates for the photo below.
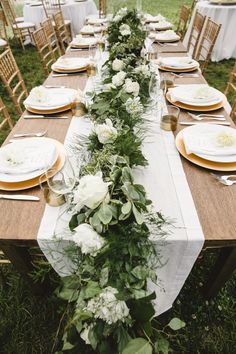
(28, 324)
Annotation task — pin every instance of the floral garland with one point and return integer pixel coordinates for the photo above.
(110, 307)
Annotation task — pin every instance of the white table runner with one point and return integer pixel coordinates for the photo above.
(166, 185)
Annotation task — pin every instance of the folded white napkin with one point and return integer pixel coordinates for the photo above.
(160, 25)
(157, 18)
(195, 94)
(21, 157)
(90, 29)
(178, 62)
(209, 142)
(99, 21)
(71, 63)
(80, 40)
(168, 35)
(41, 97)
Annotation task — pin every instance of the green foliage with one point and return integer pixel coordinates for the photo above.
(138, 346)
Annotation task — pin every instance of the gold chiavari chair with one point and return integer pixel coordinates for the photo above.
(207, 43)
(50, 33)
(52, 7)
(44, 48)
(11, 6)
(183, 21)
(194, 2)
(61, 30)
(102, 8)
(196, 30)
(4, 116)
(12, 80)
(231, 90)
(21, 30)
(3, 33)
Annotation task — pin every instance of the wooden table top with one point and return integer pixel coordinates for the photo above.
(215, 203)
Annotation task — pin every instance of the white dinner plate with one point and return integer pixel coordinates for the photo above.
(214, 129)
(57, 97)
(184, 94)
(70, 63)
(178, 62)
(44, 150)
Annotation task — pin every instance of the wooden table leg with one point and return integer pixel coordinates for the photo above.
(22, 261)
(223, 269)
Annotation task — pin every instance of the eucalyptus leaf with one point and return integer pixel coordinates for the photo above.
(126, 208)
(105, 213)
(176, 324)
(138, 346)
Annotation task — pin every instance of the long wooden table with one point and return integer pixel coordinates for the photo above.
(215, 203)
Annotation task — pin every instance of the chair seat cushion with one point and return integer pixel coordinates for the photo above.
(19, 19)
(3, 43)
(24, 25)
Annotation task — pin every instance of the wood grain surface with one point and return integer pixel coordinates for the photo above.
(215, 203)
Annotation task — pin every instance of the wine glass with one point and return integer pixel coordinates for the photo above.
(61, 182)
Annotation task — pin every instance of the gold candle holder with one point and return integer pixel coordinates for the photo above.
(52, 198)
(169, 120)
(91, 70)
(79, 109)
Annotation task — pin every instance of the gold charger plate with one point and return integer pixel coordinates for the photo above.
(17, 186)
(82, 46)
(84, 68)
(175, 70)
(50, 111)
(167, 40)
(196, 108)
(216, 166)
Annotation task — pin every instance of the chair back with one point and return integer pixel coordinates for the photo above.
(4, 116)
(3, 33)
(196, 30)
(8, 12)
(44, 48)
(207, 43)
(50, 33)
(183, 21)
(230, 91)
(61, 30)
(194, 2)
(102, 8)
(12, 79)
(51, 7)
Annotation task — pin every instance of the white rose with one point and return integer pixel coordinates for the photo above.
(143, 69)
(131, 87)
(119, 78)
(134, 106)
(117, 18)
(125, 30)
(87, 239)
(108, 87)
(106, 132)
(117, 65)
(90, 192)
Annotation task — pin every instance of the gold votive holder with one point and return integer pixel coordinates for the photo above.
(169, 120)
(51, 198)
(91, 70)
(79, 109)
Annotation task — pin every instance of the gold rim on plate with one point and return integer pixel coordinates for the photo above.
(169, 68)
(167, 40)
(189, 107)
(82, 46)
(50, 111)
(216, 166)
(17, 186)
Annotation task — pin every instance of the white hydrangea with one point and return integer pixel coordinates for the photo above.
(39, 94)
(119, 78)
(90, 192)
(120, 14)
(118, 65)
(106, 133)
(106, 306)
(88, 239)
(133, 106)
(143, 69)
(125, 30)
(131, 87)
